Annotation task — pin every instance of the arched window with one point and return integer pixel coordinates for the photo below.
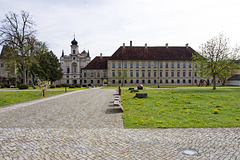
(74, 67)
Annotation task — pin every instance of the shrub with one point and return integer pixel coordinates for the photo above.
(64, 85)
(52, 86)
(84, 85)
(2, 85)
(89, 85)
(7, 85)
(58, 86)
(72, 86)
(77, 85)
(22, 86)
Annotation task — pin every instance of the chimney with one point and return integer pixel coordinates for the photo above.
(187, 45)
(166, 45)
(101, 55)
(145, 45)
(130, 43)
(123, 45)
(62, 53)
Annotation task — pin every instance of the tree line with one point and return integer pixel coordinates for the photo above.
(24, 55)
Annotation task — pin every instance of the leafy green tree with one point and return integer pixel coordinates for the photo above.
(216, 58)
(47, 66)
(18, 33)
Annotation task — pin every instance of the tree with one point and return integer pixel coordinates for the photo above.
(47, 66)
(216, 58)
(122, 76)
(18, 33)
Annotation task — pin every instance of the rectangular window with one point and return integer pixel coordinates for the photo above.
(184, 74)
(85, 81)
(178, 81)
(137, 73)
(137, 65)
(155, 65)
(166, 65)
(113, 65)
(143, 64)
(91, 74)
(184, 81)
(184, 65)
(98, 74)
(190, 65)
(68, 70)
(155, 73)
(85, 74)
(125, 65)
(160, 73)
(195, 74)
(137, 81)
(166, 74)
(104, 74)
(160, 65)
(143, 81)
(98, 81)
(189, 81)
(67, 81)
(172, 81)
(172, 65)
(119, 65)
(149, 73)
(149, 81)
(113, 81)
(178, 74)
(143, 73)
(2, 64)
(149, 64)
(172, 74)
(131, 81)
(131, 73)
(131, 65)
(178, 65)
(155, 81)
(113, 74)
(190, 74)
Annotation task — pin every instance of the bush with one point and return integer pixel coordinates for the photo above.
(22, 86)
(7, 85)
(52, 86)
(72, 86)
(77, 85)
(58, 86)
(89, 85)
(2, 85)
(84, 85)
(64, 85)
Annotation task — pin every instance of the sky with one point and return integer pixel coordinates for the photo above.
(102, 26)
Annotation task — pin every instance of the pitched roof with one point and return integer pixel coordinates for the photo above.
(234, 77)
(153, 53)
(98, 63)
(4, 51)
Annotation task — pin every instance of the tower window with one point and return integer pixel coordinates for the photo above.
(74, 51)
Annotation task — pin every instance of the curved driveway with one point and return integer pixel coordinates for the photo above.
(85, 125)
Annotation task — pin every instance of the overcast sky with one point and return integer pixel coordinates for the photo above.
(101, 26)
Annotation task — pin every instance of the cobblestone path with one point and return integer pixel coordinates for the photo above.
(83, 125)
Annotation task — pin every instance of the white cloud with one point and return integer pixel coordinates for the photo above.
(101, 26)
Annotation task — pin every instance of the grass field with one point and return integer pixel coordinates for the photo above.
(13, 95)
(188, 107)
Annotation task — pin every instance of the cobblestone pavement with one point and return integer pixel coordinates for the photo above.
(44, 131)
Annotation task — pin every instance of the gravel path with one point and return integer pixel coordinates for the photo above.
(81, 109)
(85, 125)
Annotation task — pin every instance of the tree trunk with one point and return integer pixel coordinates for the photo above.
(24, 72)
(214, 82)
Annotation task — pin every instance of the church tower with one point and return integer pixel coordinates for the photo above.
(73, 63)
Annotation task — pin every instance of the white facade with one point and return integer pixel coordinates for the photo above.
(73, 63)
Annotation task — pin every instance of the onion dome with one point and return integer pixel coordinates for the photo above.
(74, 42)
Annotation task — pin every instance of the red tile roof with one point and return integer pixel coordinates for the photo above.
(152, 53)
(98, 63)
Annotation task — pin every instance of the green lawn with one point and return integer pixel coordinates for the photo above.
(190, 107)
(13, 95)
